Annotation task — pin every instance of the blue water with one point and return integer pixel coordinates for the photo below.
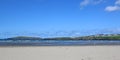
(58, 42)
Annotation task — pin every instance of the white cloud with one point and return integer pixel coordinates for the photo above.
(117, 2)
(112, 8)
(84, 3)
(97, 1)
(89, 2)
(116, 7)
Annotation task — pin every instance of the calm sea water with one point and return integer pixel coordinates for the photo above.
(57, 42)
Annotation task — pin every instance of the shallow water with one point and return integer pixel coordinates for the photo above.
(58, 42)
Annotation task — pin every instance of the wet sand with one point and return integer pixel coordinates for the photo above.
(60, 53)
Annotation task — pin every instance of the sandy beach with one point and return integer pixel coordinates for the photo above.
(60, 53)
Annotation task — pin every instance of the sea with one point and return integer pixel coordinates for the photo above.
(57, 42)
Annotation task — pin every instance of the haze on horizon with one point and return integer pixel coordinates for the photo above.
(59, 15)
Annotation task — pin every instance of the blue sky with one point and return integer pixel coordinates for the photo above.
(58, 15)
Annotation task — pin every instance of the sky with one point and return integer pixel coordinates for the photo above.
(58, 15)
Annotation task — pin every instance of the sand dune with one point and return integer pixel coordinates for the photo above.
(60, 53)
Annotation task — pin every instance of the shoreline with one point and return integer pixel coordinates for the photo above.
(58, 46)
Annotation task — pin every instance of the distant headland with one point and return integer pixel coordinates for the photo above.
(90, 37)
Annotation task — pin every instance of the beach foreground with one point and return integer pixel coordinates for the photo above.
(60, 53)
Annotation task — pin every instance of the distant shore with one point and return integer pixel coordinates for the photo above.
(89, 37)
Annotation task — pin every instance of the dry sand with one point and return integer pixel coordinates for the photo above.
(60, 53)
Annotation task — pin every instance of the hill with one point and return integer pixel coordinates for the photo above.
(24, 38)
(100, 37)
(90, 37)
